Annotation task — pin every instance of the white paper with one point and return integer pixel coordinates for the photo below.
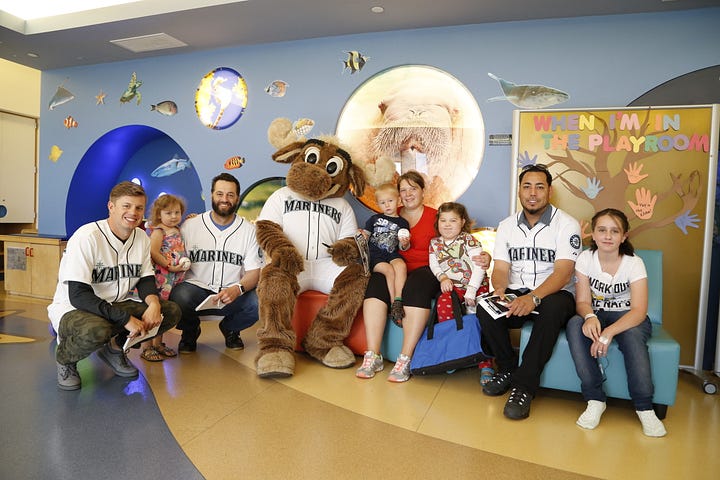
(210, 304)
(135, 340)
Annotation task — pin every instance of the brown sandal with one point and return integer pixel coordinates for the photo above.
(152, 355)
(165, 351)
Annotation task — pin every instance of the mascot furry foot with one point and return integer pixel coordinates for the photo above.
(276, 364)
(306, 230)
(339, 357)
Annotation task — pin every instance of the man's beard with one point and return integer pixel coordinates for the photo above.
(229, 213)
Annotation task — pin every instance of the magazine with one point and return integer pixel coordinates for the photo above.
(364, 253)
(496, 306)
(135, 340)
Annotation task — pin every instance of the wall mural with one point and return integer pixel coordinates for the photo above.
(137, 153)
(221, 98)
(414, 117)
(253, 197)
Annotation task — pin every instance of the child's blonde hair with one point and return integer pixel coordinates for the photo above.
(460, 210)
(386, 187)
(164, 202)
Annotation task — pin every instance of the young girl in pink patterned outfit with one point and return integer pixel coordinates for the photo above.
(169, 258)
(450, 261)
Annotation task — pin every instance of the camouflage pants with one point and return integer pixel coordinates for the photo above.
(81, 332)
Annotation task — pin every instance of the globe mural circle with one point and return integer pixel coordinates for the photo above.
(221, 98)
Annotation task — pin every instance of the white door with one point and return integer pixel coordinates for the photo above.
(17, 168)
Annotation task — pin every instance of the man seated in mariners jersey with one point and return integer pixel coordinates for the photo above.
(535, 253)
(226, 262)
(94, 306)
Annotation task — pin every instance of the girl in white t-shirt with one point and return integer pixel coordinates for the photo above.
(611, 297)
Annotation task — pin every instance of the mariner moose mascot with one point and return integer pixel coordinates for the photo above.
(306, 230)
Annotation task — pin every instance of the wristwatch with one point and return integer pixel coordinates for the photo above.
(536, 300)
(242, 289)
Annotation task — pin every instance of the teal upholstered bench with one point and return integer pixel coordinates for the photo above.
(664, 351)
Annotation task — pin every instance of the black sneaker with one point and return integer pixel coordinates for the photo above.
(517, 406)
(232, 338)
(188, 344)
(499, 384)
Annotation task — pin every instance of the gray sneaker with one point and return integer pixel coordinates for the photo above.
(372, 363)
(117, 361)
(401, 371)
(68, 376)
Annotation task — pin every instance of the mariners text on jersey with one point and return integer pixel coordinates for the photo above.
(197, 256)
(110, 274)
(292, 205)
(535, 254)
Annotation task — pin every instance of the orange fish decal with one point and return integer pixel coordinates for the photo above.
(234, 162)
(70, 122)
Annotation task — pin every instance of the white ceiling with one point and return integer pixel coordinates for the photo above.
(85, 38)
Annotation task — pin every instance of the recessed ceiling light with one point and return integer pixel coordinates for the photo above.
(377, 9)
(33, 55)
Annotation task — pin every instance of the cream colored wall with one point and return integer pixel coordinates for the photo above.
(20, 87)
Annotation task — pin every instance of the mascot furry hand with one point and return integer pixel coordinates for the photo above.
(306, 230)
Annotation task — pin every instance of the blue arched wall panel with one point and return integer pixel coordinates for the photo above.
(131, 151)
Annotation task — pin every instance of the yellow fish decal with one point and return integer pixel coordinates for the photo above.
(355, 61)
(55, 153)
(303, 126)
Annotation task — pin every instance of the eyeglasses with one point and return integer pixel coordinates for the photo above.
(535, 167)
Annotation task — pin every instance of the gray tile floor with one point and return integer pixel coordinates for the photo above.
(111, 428)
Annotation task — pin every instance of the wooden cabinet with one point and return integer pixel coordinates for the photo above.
(31, 264)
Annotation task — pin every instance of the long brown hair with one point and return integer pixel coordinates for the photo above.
(626, 248)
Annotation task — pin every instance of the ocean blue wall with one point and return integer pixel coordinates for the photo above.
(600, 61)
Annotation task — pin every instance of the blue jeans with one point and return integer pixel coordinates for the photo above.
(633, 346)
(239, 315)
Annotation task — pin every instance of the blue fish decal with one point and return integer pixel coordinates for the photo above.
(171, 167)
(528, 96)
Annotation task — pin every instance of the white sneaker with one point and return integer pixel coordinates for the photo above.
(651, 424)
(590, 418)
(401, 371)
(372, 363)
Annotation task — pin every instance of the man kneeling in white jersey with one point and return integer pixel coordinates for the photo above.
(93, 308)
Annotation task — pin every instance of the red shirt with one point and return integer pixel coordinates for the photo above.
(420, 235)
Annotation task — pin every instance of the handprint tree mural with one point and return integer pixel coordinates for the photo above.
(655, 164)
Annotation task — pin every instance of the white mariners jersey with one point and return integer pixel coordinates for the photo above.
(610, 292)
(96, 257)
(310, 225)
(219, 258)
(532, 252)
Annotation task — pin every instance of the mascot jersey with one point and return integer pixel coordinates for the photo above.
(96, 257)
(219, 257)
(310, 224)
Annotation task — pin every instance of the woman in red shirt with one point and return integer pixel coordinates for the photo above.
(420, 288)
